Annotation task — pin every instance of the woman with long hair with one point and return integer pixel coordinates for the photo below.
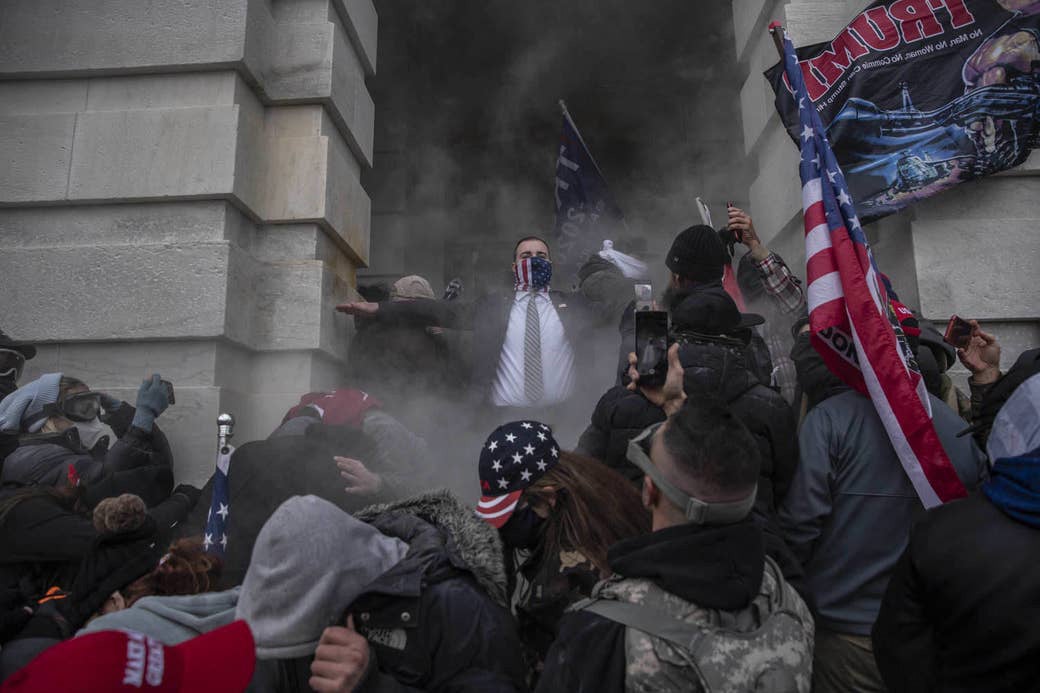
(557, 513)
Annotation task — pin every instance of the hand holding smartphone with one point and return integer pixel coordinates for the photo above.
(652, 347)
(958, 333)
(169, 391)
(644, 297)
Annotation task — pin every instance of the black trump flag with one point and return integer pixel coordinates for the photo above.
(920, 95)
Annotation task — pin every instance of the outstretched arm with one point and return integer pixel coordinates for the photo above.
(421, 312)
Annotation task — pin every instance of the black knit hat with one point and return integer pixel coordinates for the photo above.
(27, 350)
(697, 254)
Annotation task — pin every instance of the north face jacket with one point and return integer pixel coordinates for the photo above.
(438, 619)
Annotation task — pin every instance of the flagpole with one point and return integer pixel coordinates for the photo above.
(567, 115)
(776, 30)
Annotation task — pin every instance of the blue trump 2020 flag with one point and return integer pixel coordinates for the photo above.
(586, 214)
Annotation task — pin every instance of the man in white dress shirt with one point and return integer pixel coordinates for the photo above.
(531, 346)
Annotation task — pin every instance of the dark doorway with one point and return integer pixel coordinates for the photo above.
(467, 124)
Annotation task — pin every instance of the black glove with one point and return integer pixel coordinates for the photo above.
(190, 492)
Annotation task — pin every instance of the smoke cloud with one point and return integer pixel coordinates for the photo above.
(467, 130)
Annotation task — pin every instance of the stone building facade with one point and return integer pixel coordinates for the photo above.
(180, 192)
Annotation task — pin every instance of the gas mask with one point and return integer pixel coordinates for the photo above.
(94, 433)
(533, 274)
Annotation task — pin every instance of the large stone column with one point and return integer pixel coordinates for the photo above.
(180, 192)
(970, 251)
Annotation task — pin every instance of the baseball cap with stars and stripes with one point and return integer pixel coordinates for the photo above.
(514, 456)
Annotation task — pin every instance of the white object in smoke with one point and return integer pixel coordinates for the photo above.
(629, 266)
(705, 213)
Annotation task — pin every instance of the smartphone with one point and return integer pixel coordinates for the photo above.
(169, 391)
(958, 333)
(644, 297)
(652, 347)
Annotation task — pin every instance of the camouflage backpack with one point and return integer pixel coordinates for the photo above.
(673, 645)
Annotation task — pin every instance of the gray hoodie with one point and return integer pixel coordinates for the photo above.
(171, 620)
(309, 563)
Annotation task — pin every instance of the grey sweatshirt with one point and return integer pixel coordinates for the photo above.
(172, 620)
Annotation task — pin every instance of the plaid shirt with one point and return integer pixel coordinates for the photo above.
(781, 284)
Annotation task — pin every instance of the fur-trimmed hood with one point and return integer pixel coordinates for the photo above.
(472, 545)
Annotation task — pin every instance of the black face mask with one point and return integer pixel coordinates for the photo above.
(523, 530)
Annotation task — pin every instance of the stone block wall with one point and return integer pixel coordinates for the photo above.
(180, 192)
(970, 251)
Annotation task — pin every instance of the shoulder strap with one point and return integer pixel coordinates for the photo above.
(650, 621)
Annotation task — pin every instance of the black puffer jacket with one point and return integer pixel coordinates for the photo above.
(437, 620)
(717, 368)
(264, 473)
(139, 462)
(962, 610)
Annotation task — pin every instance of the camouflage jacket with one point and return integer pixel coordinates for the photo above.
(766, 647)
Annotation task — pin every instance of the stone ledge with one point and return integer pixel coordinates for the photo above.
(282, 164)
(118, 292)
(287, 62)
(123, 224)
(119, 36)
(36, 153)
(362, 24)
(153, 153)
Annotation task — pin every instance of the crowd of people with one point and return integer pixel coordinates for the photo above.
(743, 524)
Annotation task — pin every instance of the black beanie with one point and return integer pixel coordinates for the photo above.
(697, 254)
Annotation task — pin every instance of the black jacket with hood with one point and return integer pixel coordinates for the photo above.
(714, 567)
(962, 610)
(44, 542)
(438, 620)
(714, 366)
(600, 300)
(139, 462)
(297, 459)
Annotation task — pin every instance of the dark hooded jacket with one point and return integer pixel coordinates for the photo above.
(713, 567)
(46, 542)
(602, 296)
(265, 473)
(435, 621)
(714, 366)
(438, 619)
(139, 462)
(962, 610)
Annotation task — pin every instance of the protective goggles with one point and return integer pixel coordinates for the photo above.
(84, 406)
(11, 363)
(697, 511)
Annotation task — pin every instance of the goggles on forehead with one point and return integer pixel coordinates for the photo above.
(697, 511)
(11, 363)
(84, 406)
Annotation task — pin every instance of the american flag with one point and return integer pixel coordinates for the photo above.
(852, 323)
(529, 275)
(214, 539)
